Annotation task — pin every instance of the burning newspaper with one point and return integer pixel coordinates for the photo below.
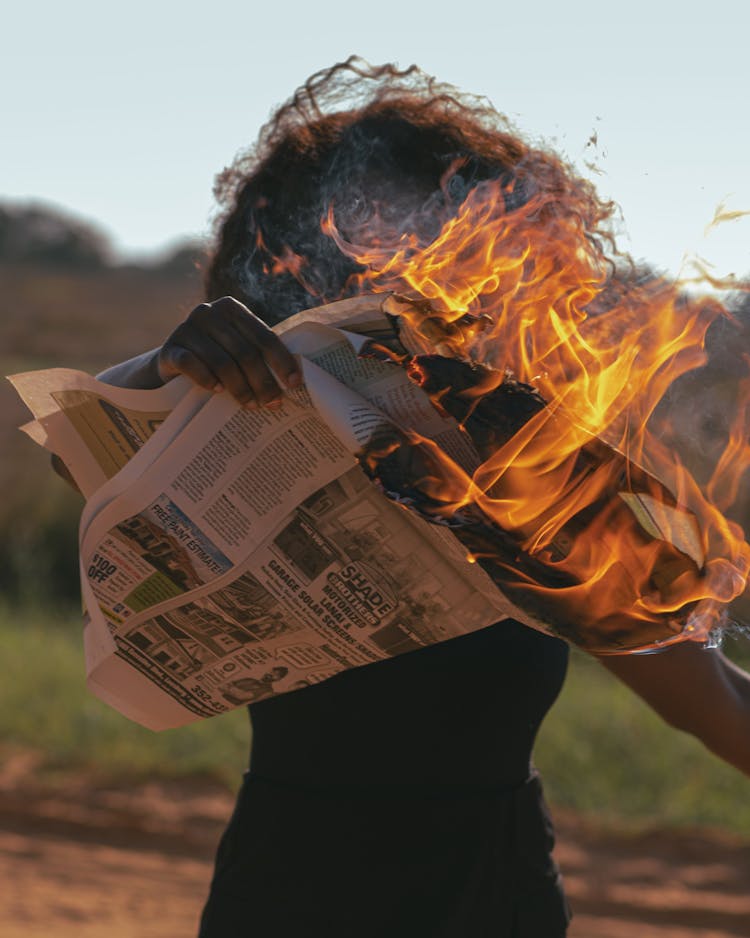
(228, 555)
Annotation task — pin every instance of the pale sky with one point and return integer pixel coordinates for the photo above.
(123, 114)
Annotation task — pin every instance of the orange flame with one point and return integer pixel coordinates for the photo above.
(528, 292)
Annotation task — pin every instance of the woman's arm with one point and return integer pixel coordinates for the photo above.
(697, 690)
(139, 372)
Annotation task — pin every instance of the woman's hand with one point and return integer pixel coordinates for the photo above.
(223, 346)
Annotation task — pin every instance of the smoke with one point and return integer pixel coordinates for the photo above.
(704, 418)
(385, 183)
(699, 413)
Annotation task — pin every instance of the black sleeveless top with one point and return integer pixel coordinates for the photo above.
(465, 711)
(398, 799)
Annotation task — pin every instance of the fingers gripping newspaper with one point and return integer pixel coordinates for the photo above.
(228, 555)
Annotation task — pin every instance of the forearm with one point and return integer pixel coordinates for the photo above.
(698, 691)
(724, 727)
(139, 372)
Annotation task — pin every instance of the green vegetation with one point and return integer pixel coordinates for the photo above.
(601, 750)
(44, 706)
(39, 543)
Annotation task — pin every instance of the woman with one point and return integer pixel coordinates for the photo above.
(399, 798)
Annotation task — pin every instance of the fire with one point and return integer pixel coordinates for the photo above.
(609, 538)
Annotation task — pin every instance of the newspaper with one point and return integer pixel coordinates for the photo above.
(228, 555)
(109, 424)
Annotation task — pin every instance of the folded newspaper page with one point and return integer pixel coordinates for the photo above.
(228, 555)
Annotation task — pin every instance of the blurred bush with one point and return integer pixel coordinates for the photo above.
(34, 234)
(38, 549)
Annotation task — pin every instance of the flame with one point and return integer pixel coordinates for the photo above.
(611, 538)
(286, 262)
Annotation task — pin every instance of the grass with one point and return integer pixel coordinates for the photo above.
(601, 751)
(44, 706)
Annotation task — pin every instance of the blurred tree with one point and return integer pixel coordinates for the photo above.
(40, 235)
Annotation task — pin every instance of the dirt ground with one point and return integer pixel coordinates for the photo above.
(89, 861)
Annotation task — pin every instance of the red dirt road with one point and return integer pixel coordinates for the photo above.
(92, 862)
